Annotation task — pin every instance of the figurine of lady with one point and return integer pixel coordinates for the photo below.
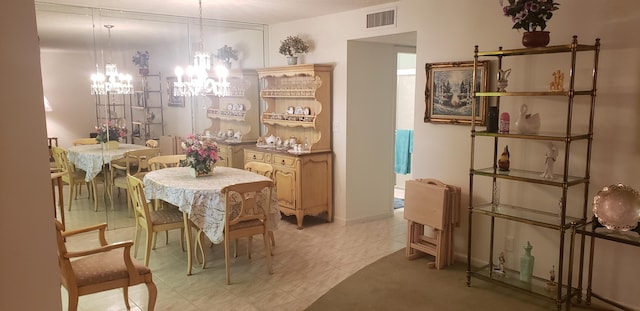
(549, 160)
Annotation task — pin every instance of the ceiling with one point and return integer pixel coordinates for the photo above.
(248, 11)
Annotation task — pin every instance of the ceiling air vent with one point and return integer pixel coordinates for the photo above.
(380, 19)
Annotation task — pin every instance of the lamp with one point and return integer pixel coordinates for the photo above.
(197, 81)
(111, 81)
(47, 105)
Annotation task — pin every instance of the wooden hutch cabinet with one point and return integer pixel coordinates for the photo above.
(236, 114)
(297, 141)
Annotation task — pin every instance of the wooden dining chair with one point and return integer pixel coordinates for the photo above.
(165, 161)
(136, 163)
(245, 217)
(75, 178)
(151, 143)
(151, 221)
(106, 267)
(85, 141)
(264, 169)
(160, 162)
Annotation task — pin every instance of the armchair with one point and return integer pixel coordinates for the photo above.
(107, 267)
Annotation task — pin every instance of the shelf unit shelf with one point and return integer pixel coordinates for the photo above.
(511, 279)
(516, 214)
(147, 113)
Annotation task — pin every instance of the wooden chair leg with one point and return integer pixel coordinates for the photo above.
(153, 295)
(125, 293)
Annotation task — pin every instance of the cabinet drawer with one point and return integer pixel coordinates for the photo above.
(284, 161)
(250, 155)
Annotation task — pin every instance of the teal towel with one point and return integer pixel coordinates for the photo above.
(404, 149)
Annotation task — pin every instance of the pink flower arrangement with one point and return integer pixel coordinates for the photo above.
(110, 131)
(202, 154)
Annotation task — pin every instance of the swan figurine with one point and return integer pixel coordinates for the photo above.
(527, 123)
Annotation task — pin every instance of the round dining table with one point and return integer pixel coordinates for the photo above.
(92, 158)
(200, 199)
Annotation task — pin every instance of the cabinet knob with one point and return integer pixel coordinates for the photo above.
(282, 162)
(254, 156)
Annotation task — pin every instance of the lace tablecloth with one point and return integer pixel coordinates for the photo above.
(200, 197)
(91, 158)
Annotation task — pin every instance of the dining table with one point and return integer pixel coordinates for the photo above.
(93, 158)
(200, 198)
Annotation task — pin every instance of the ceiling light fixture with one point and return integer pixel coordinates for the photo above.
(114, 82)
(197, 81)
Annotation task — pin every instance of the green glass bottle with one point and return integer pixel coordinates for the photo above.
(526, 264)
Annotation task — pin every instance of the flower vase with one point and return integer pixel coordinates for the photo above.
(292, 60)
(535, 39)
(111, 145)
(194, 173)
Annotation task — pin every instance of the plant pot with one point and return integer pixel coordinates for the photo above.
(111, 145)
(535, 39)
(292, 60)
(193, 173)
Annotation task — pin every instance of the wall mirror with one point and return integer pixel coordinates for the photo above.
(74, 42)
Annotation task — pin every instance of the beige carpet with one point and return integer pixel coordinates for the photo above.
(396, 283)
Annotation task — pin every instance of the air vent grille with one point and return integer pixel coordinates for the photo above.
(379, 19)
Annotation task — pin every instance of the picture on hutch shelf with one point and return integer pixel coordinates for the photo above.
(448, 91)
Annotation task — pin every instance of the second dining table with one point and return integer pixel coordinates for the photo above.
(92, 158)
(201, 200)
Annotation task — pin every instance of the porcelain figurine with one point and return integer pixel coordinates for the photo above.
(527, 123)
(503, 161)
(550, 159)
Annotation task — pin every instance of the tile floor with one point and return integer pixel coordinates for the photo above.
(307, 263)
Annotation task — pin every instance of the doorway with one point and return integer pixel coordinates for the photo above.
(405, 111)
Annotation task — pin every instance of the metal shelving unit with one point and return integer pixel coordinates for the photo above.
(532, 214)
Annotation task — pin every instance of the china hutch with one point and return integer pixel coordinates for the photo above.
(297, 140)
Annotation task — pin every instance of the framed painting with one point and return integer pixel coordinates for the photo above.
(174, 100)
(448, 92)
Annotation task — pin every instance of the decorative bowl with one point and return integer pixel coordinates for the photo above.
(617, 207)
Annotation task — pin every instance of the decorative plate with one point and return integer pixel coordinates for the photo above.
(298, 110)
(230, 107)
(306, 111)
(290, 110)
(617, 207)
(239, 107)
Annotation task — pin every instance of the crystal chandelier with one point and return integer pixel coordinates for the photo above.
(111, 81)
(196, 80)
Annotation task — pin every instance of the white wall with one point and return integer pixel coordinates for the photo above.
(28, 265)
(448, 31)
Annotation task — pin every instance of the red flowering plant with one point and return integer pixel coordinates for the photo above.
(529, 15)
(109, 132)
(202, 154)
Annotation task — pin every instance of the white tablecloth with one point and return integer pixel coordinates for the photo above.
(91, 158)
(200, 197)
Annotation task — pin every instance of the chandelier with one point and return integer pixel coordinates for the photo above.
(196, 80)
(111, 81)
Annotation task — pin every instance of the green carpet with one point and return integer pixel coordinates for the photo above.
(396, 283)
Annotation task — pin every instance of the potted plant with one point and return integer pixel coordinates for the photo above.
(226, 54)
(141, 60)
(531, 16)
(293, 46)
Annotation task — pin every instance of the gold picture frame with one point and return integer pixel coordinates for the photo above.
(448, 91)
